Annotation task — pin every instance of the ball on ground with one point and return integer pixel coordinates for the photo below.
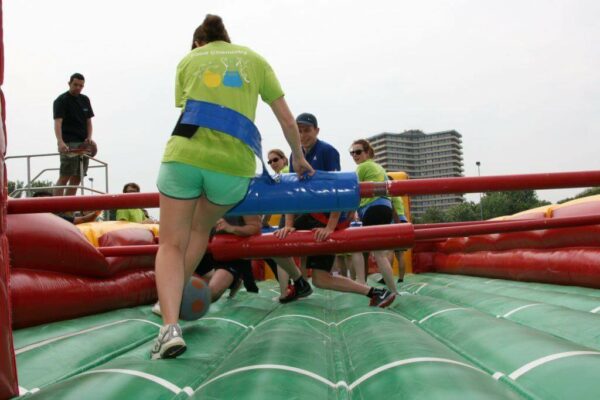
(195, 301)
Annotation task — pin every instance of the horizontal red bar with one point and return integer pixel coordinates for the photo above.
(481, 184)
(367, 189)
(505, 226)
(299, 243)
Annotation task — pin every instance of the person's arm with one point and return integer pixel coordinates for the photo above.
(252, 226)
(90, 217)
(323, 233)
(62, 146)
(292, 136)
(90, 130)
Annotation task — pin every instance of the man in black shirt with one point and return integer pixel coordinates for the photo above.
(73, 129)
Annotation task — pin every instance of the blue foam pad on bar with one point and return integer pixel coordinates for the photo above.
(322, 192)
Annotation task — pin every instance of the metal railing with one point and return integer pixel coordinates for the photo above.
(28, 189)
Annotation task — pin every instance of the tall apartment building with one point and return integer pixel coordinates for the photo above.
(422, 155)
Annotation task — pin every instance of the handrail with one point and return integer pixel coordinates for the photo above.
(83, 188)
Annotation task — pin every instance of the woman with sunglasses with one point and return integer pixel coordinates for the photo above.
(374, 210)
(280, 165)
(278, 161)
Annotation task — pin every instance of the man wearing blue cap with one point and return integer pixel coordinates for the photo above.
(322, 157)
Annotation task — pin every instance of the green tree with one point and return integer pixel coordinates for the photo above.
(14, 185)
(432, 215)
(587, 192)
(466, 211)
(497, 204)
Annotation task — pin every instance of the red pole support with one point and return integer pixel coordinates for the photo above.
(299, 243)
(504, 226)
(481, 184)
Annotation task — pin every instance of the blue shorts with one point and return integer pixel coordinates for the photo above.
(187, 182)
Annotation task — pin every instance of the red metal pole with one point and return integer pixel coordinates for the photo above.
(367, 189)
(299, 243)
(70, 203)
(481, 184)
(505, 226)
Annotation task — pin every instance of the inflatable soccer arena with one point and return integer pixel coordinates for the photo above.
(501, 309)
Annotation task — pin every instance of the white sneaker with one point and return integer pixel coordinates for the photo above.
(156, 309)
(169, 343)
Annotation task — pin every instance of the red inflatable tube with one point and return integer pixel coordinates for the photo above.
(40, 297)
(300, 243)
(567, 266)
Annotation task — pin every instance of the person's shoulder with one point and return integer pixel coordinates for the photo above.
(324, 146)
(61, 97)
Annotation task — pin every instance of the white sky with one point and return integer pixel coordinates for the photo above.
(518, 79)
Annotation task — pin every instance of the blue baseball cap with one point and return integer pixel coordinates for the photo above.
(307, 119)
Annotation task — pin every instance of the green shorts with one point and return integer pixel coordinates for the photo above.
(187, 182)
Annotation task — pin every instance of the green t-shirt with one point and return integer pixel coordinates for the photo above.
(131, 215)
(398, 205)
(232, 76)
(370, 171)
(285, 170)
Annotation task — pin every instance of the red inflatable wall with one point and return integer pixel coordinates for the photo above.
(8, 371)
(568, 256)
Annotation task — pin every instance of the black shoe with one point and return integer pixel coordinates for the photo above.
(382, 281)
(303, 288)
(400, 280)
(299, 289)
(381, 298)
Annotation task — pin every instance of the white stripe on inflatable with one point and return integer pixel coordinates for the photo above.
(336, 385)
(410, 361)
(441, 312)
(55, 339)
(544, 360)
(226, 320)
(293, 316)
(370, 312)
(153, 378)
(511, 312)
(271, 367)
(595, 310)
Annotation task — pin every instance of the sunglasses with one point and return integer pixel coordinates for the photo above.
(356, 152)
(273, 160)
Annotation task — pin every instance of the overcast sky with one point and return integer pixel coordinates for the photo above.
(518, 79)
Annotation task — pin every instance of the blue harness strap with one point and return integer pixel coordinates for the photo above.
(225, 120)
(323, 192)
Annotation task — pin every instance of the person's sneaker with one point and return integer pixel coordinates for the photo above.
(303, 288)
(169, 343)
(382, 281)
(156, 309)
(299, 289)
(290, 295)
(381, 298)
(400, 280)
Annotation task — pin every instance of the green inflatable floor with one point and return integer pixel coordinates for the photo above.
(446, 337)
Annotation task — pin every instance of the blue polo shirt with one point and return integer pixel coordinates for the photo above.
(322, 157)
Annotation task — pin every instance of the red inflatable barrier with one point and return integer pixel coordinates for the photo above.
(41, 296)
(128, 237)
(59, 246)
(568, 266)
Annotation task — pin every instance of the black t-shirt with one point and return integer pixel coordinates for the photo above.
(75, 111)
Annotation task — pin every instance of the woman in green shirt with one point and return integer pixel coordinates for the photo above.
(206, 171)
(374, 210)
